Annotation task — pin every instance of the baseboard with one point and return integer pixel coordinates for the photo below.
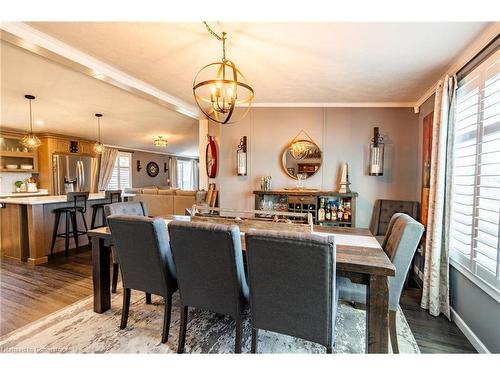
(471, 336)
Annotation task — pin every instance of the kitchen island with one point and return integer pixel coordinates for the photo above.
(27, 225)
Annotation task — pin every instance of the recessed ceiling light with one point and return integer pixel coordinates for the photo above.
(40, 122)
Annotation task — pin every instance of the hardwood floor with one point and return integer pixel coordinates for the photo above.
(29, 293)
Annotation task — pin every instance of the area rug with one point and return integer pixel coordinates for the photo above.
(77, 329)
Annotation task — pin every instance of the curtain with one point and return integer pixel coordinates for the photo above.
(173, 172)
(435, 294)
(195, 172)
(108, 159)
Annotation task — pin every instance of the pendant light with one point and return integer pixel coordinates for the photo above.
(30, 140)
(98, 146)
(160, 142)
(220, 86)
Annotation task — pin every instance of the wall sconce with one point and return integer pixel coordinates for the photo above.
(241, 157)
(376, 154)
(165, 169)
(139, 166)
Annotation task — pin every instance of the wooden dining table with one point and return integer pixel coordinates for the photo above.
(359, 257)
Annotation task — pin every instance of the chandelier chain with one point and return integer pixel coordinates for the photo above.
(31, 120)
(218, 37)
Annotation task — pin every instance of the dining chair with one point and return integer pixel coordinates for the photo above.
(384, 209)
(292, 285)
(123, 208)
(146, 261)
(400, 244)
(210, 273)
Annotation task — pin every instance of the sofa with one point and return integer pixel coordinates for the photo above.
(161, 200)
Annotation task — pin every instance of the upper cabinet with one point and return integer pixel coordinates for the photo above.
(14, 157)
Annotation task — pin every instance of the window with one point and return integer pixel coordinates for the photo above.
(185, 180)
(122, 172)
(475, 193)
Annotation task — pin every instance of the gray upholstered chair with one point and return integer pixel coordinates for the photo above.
(146, 261)
(383, 211)
(292, 285)
(210, 272)
(400, 244)
(124, 208)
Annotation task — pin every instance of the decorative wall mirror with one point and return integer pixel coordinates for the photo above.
(302, 158)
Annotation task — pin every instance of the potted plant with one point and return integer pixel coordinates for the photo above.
(18, 186)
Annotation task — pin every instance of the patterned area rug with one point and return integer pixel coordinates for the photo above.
(77, 329)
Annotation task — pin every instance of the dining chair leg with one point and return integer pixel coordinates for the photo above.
(84, 222)
(237, 344)
(54, 233)
(94, 214)
(125, 308)
(255, 338)
(393, 332)
(182, 329)
(114, 280)
(103, 218)
(166, 319)
(74, 226)
(329, 349)
(148, 298)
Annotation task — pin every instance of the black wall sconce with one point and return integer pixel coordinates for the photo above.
(139, 166)
(376, 154)
(165, 169)
(241, 157)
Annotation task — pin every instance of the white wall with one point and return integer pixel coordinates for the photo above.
(343, 134)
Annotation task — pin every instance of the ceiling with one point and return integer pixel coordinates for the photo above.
(284, 62)
(66, 102)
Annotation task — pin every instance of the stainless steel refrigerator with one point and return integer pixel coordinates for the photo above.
(74, 173)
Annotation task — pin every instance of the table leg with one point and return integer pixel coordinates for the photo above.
(377, 315)
(101, 275)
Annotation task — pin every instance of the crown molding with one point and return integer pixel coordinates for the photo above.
(472, 50)
(337, 105)
(30, 39)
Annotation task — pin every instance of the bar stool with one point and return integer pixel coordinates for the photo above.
(110, 196)
(79, 200)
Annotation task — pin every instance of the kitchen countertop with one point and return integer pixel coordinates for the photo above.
(52, 199)
(40, 192)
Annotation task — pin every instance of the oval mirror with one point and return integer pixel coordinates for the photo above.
(301, 157)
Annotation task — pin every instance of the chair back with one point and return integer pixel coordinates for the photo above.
(146, 261)
(385, 208)
(209, 263)
(126, 208)
(400, 245)
(79, 199)
(292, 281)
(113, 196)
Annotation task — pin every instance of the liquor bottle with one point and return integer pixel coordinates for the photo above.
(328, 211)
(340, 212)
(321, 211)
(334, 213)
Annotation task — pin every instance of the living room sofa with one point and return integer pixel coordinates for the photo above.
(161, 200)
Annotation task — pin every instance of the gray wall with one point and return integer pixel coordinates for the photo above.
(343, 134)
(141, 179)
(478, 310)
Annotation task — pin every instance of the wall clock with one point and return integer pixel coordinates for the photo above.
(211, 157)
(152, 169)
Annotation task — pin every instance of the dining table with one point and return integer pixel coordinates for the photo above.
(359, 257)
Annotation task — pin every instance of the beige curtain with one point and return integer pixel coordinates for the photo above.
(435, 294)
(173, 172)
(108, 159)
(195, 171)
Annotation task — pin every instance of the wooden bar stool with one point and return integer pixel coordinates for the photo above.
(110, 196)
(79, 200)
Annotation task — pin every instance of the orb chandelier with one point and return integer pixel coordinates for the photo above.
(220, 86)
(30, 140)
(160, 142)
(98, 146)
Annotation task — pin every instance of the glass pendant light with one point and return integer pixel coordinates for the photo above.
(160, 142)
(98, 146)
(376, 154)
(30, 140)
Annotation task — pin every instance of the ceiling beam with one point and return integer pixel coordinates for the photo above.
(338, 105)
(29, 38)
